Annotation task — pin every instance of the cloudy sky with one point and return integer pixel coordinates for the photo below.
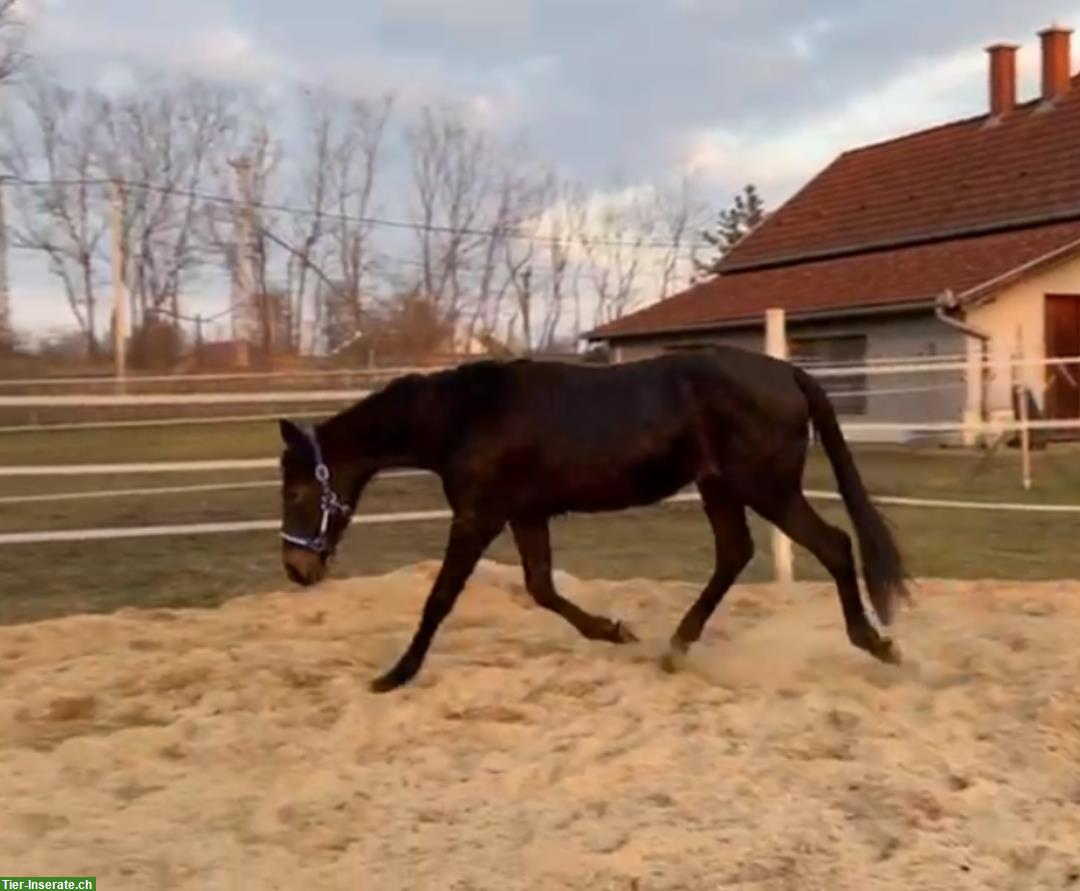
(638, 91)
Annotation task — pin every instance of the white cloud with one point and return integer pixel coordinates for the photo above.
(118, 79)
(777, 162)
(476, 18)
(231, 54)
(30, 12)
(195, 45)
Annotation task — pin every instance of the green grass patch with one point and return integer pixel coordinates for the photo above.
(669, 542)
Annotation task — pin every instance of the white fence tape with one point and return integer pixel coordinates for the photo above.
(911, 365)
(80, 535)
(923, 367)
(87, 400)
(147, 467)
(137, 467)
(69, 535)
(166, 490)
(128, 493)
(103, 379)
(157, 422)
(899, 501)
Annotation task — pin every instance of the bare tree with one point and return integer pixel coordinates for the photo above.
(573, 210)
(308, 231)
(520, 274)
(353, 172)
(614, 249)
(162, 146)
(452, 183)
(329, 248)
(237, 227)
(55, 141)
(565, 229)
(516, 200)
(540, 264)
(12, 36)
(676, 216)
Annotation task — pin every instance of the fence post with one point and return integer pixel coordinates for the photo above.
(776, 345)
(974, 379)
(1020, 391)
(1025, 436)
(120, 307)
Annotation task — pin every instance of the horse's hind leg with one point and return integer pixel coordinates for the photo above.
(832, 547)
(534, 545)
(734, 549)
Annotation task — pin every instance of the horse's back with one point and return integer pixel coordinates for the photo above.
(581, 437)
(724, 381)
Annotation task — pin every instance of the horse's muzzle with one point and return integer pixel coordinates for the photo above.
(303, 567)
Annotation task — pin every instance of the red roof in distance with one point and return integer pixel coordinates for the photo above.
(957, 206)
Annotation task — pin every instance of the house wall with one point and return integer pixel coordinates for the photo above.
(1016, 321)
(938, 396)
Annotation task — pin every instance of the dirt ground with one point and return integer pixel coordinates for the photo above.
(239, 748)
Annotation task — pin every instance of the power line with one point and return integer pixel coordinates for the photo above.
(404, 225)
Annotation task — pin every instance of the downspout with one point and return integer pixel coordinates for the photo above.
(947, 301)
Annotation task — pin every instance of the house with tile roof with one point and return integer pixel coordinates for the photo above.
(960, 240)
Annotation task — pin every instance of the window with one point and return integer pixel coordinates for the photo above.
(848, 392)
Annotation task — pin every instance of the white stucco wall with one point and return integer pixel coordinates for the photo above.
(1016, 321)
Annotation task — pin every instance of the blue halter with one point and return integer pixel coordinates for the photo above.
(329, 504)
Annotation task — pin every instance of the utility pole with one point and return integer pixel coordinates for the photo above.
(199, 341)
(244, 313)
(120, 305)
(776, 344)
(7, 336)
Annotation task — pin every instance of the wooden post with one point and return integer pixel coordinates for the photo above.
(120, 305)
(974, 376)
(7, 334)
(199, 341)
(244, 315)
(776, 345)
(1025, 436)
(1019, 375)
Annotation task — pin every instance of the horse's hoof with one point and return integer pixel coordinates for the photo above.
(888, 652)
(673, 661)
(624, 635)
(385, 683)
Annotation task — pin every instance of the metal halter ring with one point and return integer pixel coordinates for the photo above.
(329, 504)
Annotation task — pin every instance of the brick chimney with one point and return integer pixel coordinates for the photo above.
(1002, 78)
(1056, 63)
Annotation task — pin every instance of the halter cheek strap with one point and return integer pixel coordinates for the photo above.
(329, 504)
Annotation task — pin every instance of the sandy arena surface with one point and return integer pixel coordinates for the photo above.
(239, 748)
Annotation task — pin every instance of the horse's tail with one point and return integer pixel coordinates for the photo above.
(882, 564)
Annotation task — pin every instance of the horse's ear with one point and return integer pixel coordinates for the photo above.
(292, 435)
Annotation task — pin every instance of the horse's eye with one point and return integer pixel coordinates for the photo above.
(292, 496)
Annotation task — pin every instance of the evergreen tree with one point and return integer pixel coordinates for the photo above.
(732, 225)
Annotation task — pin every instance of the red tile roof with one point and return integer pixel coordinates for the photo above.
(962, 177)
(971, 266)
(950, 207)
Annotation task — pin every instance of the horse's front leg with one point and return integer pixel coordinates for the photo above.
(469, 538)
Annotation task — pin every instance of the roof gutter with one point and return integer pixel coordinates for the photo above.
(757, 321)
(1017, 272)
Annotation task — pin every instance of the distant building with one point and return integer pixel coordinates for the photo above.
(949, 241)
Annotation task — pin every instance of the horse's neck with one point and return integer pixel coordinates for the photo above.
(384, 431)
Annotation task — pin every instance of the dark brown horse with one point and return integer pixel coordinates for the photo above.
(517, 443)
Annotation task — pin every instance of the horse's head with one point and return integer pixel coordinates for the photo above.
(315, 505)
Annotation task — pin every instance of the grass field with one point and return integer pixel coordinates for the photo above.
(668, 542)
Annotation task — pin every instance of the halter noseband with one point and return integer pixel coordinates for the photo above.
(329, 504)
